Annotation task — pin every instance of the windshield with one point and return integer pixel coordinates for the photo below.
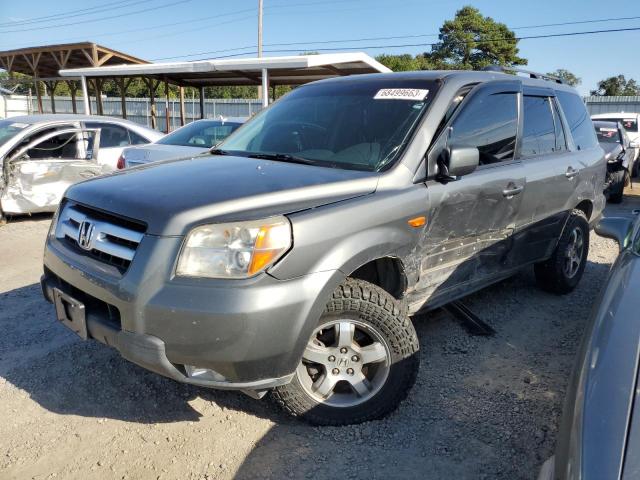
(203, 134)
(9, 129)
(629, 124)
(355, 124)
(607, 132)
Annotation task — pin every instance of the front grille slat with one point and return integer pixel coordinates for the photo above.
(113, 240)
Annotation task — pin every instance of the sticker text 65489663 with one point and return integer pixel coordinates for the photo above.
(401, 94)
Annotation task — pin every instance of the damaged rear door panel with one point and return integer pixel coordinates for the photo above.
(35, 176)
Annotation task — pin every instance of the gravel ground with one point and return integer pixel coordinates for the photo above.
(481, 408)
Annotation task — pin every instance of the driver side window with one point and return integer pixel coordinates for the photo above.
(489, 123)
(63, 146)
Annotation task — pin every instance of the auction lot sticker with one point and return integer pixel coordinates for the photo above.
(401, 94)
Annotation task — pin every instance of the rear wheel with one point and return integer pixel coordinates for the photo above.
(359, 363)
(563, 271)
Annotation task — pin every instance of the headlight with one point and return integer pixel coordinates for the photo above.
(234, 250)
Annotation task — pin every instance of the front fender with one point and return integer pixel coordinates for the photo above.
(347, 235)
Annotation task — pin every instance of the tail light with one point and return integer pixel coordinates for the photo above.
(120, 165)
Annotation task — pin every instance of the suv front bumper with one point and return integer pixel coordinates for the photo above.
(235, 334)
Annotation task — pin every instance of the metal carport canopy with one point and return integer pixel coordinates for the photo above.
(289, 70)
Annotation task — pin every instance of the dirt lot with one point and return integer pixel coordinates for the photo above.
(482, 407)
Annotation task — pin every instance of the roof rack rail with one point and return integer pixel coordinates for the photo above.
(540, 76)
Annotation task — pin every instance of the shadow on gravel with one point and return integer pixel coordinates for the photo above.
(68, 376)
(28, 218)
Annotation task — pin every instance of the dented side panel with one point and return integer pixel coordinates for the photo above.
(32, 185)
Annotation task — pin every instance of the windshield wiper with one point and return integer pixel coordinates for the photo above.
(217, 151)
(282, 157)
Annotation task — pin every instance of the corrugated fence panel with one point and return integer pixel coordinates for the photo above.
(139, 109)
(597, 105)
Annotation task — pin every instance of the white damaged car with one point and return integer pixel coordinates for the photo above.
(42, 155)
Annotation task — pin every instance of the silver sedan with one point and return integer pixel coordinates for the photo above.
(192, 139)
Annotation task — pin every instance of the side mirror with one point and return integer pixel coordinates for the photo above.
(616, 228)
(634, 144)
(457, 162)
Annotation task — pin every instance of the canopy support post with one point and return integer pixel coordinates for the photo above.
(72, 89)
(265, 88)
(201, 102)
(181, 92)
(166, 107)
(38, 94)
(85, 95)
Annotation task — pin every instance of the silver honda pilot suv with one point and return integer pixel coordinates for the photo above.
(292, 259)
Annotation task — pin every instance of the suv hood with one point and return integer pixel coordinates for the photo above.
(173, 196)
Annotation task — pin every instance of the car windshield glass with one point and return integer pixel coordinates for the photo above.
(358, 124)
(203, 134)
(9, 129)
(629, 124)
(607, 132)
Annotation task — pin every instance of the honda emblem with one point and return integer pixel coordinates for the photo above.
(85, 235)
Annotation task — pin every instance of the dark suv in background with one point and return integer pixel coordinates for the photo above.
(293, 258)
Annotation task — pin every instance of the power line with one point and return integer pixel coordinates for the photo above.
(46, 18)
(165, 5)
(374, 47)
(368, 39)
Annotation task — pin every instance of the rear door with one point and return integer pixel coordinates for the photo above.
(472, 219)
(37, 174)
(552, 174)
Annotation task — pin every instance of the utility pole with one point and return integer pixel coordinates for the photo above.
(260, 28)
(261, 93)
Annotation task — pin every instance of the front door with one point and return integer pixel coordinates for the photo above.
(36, 176)
(472, 219)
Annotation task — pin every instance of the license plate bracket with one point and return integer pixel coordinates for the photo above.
(71, 313)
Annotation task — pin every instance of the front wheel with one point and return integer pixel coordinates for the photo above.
(359, 363)
(562, 272)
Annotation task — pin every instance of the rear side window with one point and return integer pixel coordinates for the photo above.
(137, 139)
(580, 124)
(539, 132)
(489, 123)
(111, 135)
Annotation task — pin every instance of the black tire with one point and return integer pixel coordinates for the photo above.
(616, 191)
(552, 275)
(374, 308)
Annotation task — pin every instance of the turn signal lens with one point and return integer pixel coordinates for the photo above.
(417, 222)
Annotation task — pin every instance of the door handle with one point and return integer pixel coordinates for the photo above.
(512, 190)
(571, 172)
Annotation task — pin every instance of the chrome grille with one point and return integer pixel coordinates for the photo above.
(98, 235)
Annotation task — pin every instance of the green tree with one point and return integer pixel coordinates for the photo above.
(617, 86)
(567, 77)
(405, 62)
(472, 41)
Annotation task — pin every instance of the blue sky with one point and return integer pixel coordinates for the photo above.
(174, 28)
